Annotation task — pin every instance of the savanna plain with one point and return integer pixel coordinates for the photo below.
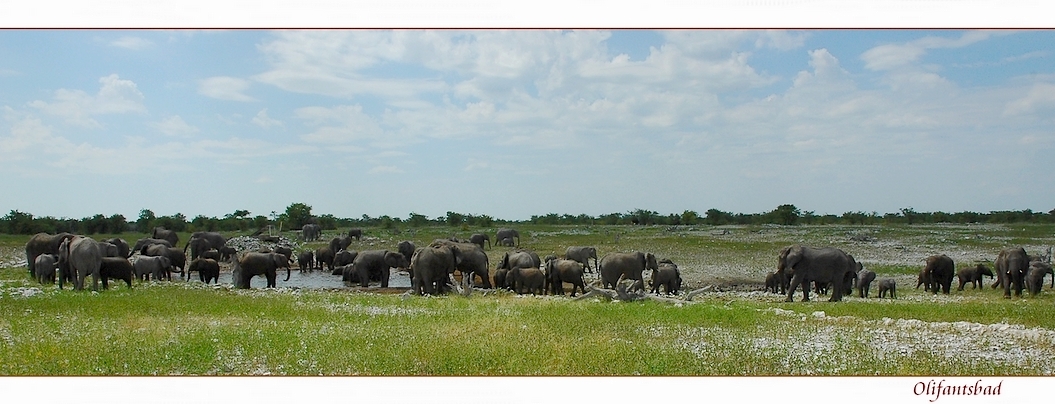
(733, 328)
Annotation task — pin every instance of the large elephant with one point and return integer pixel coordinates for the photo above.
(803, 264)
(616, 266)
(78, 257)
(938, 273)
(123, 249)
(206, 240)
(342, 258)
(666, 275)
(559, 271)
(311, 232)
(407, 248)
(479, 239)
(973, 275)
(147, 267)
(43, 243)
(143, 242)
(175, 256)
(1011, 267)
(115, 268)
(374, 265)
(523, 271)
(1035, 276)
(582, 255)
(324, 257)
(169, 235)
(430, 268)
(355, 232)
(251, 264)
(44, 268)
(340, 243)
(208, 270)
(472, 260)
(863, 282)
(108, 249)
(508, 233)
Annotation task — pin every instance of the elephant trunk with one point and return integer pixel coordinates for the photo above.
(289, 270)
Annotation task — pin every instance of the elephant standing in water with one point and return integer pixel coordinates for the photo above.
(822, 265)
(252, 264)
(373, 265)
(616, 266)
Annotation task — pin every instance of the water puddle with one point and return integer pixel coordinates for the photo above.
(308, 280)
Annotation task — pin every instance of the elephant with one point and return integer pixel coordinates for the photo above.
(155, 267)
(123, 249)
(208, 270)
(324, 256)
(863, 282)
(826, 265)
(176, 257)
(115, 268)
(1011, 267)
(407, 248)
(430, 268)
(775, 282)
(45, 267)
(973, 275)
(374, 265)
(78, 257)
(518, 277)
(616, 266)
(355, 232)
(340, 243)
(306, 260)
(938, 273)
(205, 240)
(887, 285)
(479, 239)
(108, 249)
(311, 232)
(472, 260)
(211, 253)
(500, 278)
(582, 255)
(226, 252)
(342, 258)
(251, 264)
(559, 271)
(284, 250)
(43, 243)
(169, 235)
(143, 242)
(1035, 276)
(503, 234)
(506, 242)
(666, 275)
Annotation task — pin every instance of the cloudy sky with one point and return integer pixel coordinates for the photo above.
(525, 122)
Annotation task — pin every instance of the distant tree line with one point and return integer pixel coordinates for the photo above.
(298, 214)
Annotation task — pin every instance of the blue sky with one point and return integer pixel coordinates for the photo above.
(525, 122)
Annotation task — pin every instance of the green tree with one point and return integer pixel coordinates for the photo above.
(145, 223)
(785, 214)
(296, 216)
(690, 217)
(454, 218)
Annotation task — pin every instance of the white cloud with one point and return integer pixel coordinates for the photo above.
(262, 120)
(132, 43)
(225, 88)
(340, 124)
(1041, 97)
(385, 170)
(175, 126)
(115, 96)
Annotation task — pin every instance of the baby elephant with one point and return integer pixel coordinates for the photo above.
(886, 285)
(208, 270)
(44, 266)
(116, 268)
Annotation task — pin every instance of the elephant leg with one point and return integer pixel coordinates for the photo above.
(386, 272)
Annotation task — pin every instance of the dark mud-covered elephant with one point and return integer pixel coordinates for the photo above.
(559, 271)
(666, 275)
(616, 266)
(1035, 276)
(251, 264)
(169, 235)
(863, 282)
(804, 264)
(511, 234)
(117, 268)
(78, 257)
(306, 260)
(938, 273)
(973, 275)
(374, 265)
(430, 268)
(582, 255)
(324, 257)
(43, 243)
(1011, 267)
(479, 239)
(147, 267)
(208, 270)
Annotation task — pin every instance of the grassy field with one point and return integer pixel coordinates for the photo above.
(177, 328)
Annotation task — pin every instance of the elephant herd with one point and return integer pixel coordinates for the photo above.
(831, 268)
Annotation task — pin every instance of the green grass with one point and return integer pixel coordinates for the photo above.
(180, 328)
